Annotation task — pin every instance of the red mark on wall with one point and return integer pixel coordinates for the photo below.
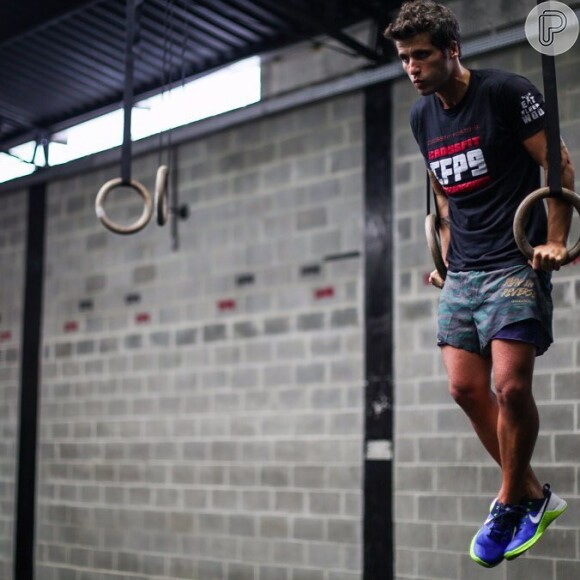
(5, 335)
(71, 326)
(142, 317)
(321, 293)
(226, 305)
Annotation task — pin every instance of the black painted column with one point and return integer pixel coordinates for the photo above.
(29, 385)
(378, 561)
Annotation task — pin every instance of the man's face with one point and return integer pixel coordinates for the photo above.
(428, 67)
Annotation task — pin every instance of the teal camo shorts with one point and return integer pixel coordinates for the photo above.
(476, 307)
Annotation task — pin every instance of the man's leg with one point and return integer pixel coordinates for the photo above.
(518, 422)
(518, 426)
(469, 384)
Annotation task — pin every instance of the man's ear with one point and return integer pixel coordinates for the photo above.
(453, 50)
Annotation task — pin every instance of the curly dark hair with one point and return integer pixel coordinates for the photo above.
(417, 16)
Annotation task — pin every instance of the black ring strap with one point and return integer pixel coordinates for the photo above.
(552, 123)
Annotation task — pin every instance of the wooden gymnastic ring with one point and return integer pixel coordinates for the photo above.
(523, 213)
(110, 224)
(161, 197)
(434, 244)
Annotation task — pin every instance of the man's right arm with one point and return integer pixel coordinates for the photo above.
(443, 215)
(444, 226)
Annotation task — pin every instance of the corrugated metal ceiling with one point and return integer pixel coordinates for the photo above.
(64, 60)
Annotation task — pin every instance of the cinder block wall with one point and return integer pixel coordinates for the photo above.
(195, 424)
(444, 479)
(12, 258)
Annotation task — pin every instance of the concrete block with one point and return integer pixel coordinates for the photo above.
(566, 385)
(311, 373)
(459, 479)
(256, 501)
(289, 502)
(343, 575)
(214, 332)
(567, 569)
(307, 574)
(273, 573)
(556, 417)
(275, 476)
(324, 503)
(277, 325)
(311, 321)
(344, 317)
(274, 527)
(246, 329)
(144, 274)
(182, 337)
(435, 565)
(311, 218)
(242, 525)
(438, 508)
(435, 449)
(566, 448)
(414, 535)
(346, 159)
(531, 567)
(415, 478)
(290, 553)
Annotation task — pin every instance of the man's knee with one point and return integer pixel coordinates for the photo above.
(513, 394)
(466, 394)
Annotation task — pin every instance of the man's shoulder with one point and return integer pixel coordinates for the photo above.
(420, 116)
(420, 106)
(493, 74)
(493, 78)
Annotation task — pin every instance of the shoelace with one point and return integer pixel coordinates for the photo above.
(503, 521)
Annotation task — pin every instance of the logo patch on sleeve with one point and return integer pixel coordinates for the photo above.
(530, 109)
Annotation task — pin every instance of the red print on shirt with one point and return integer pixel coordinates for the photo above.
(460, 167)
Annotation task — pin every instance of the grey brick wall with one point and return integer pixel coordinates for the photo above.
(192, 427)
(12, 260)
(444, 479)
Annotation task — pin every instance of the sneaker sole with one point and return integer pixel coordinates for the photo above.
(477, 559)
(548, 518)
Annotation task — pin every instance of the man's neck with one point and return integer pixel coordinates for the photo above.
(454, 90)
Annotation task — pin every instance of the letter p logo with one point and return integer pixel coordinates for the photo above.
(552, 27)
(551, 22)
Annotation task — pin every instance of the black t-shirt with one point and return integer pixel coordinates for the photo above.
(475, 150)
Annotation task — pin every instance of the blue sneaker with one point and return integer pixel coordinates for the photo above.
(538, 514)
(489, 544)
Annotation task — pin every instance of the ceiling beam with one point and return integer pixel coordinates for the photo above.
(21, 17)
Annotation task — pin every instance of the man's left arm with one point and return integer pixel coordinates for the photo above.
(549, 256)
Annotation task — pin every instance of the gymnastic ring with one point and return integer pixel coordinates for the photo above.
(523, 213)
(161, 197)
(434, 244)
(110, 224)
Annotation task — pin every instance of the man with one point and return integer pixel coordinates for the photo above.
(482, 135)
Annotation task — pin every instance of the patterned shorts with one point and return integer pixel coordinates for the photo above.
(475, 306)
